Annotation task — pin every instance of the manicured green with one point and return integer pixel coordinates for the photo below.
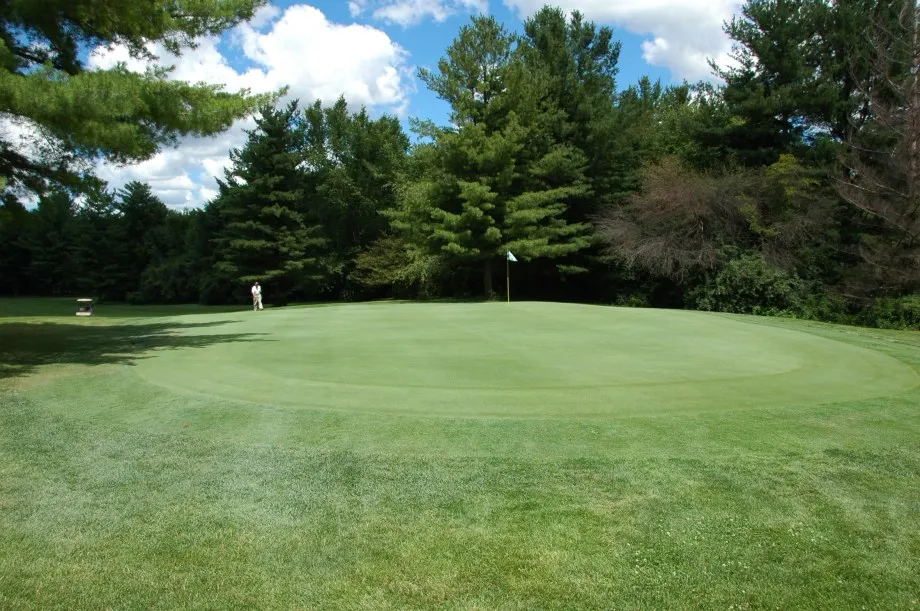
(499, 456)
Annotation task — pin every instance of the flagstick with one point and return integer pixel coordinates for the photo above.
(508, 277)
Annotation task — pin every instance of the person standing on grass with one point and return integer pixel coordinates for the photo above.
(256, 297)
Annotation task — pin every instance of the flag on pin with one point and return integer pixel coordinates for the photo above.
(509, 257)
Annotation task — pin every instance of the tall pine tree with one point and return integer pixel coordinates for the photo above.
(267, 236)
(352, 171)
(501, 178)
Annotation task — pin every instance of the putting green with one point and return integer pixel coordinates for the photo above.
(519, 360)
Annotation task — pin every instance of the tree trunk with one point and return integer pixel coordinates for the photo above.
(913, 108)
(487, 277)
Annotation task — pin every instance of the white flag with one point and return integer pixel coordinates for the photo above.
(511, 257)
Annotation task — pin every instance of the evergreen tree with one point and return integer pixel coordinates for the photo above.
(169, 277)
(137, 241)
(792, 77)
(881, 159)
(52, 243)
(500, 178)
(354, 164)
(15, 223)
(567, 68)
(215, 286)
(115, 113)
(266, 235)
(101, 249)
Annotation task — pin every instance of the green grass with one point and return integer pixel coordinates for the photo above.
(455, 456)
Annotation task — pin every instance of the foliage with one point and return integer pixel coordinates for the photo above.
(640, 193)
(15, 224)
(52, 245)
(676, 225)
(895, 312)
(749, 285)
(352, 173)
(79, 114)
(506, 177)
(267, 234)
(880, 173)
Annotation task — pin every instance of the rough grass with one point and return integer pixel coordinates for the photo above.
(122, 486)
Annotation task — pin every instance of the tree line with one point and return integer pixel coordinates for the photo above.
(791, 189)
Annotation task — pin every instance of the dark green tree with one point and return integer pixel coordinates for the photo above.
(83, 114)
(137, 239)
(354, 165)
(170, 276)
(52, 243)
(15, 224)
(102, 248)
(881, 157)
(569, 69)
(266, 234)
(501, 178)
(794, 77)
(565, 82)
(474, 75)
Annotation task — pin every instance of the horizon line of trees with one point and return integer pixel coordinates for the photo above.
(792, 189)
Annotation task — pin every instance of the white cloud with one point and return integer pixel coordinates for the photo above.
(298, 48)
(356, 7)
(207, 194)
(412, 12)
(264, 16)
(684, 34)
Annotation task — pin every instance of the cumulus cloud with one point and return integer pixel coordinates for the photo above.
(683, 34)
(412, 12)
(264, 15)
(298, 48)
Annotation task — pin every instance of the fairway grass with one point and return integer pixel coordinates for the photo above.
(489, 456)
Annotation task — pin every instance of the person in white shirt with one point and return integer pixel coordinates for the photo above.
(256, 297)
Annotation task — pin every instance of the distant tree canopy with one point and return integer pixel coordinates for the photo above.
(791, 188)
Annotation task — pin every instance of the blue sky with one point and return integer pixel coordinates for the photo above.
(369, 51)
(427, 43)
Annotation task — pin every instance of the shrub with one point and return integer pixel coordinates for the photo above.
(750, 285)
(633, 300)
(895, 312)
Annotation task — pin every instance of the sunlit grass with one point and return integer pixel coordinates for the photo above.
(124, 484)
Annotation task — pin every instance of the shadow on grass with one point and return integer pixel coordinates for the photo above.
(25, 347)
(35, 307)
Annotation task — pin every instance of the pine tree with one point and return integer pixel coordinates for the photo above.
(137, 242)
(115, 113)
(501, 178)
(15, 223)
(881, 158)
(534, 224)
(267, 236)
(102, 271)
(52, 242)
(352, 170)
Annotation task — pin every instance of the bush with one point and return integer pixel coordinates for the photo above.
(633, 300)
(825, 307)
(895, 312)
(750, 285)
